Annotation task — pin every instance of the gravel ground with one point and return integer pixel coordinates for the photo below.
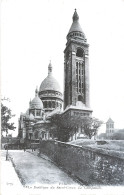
(33, 170)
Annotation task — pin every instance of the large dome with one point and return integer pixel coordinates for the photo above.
(36, 103)
(50, 93)
(49, 83)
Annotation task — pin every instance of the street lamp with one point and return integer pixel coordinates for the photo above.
(7, 153)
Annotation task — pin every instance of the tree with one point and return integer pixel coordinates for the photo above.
(90, 126)
(63, 128)
(68, 127)
(6, 115)
(118, 136)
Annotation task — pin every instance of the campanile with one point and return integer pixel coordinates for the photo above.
(76, 66)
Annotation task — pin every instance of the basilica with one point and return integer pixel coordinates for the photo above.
(35, 122)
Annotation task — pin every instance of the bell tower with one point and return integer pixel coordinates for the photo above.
(76, 66)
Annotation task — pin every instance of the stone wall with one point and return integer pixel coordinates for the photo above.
(90, 166)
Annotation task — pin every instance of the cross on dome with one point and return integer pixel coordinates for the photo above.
(50, 68)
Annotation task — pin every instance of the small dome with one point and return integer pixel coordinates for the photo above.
(49, 83)
(36, 103)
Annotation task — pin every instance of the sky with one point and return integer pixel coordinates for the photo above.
(33, 32)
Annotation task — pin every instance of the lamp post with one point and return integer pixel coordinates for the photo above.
(7, 154)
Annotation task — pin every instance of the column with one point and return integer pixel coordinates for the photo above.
(24, 133)
(35, 112)
(87, 80)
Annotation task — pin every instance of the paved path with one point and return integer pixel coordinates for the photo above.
(34, 170)
(9, 178)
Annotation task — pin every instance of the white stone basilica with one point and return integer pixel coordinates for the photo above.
(35, 124)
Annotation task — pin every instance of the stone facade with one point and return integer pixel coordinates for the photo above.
(76, 72)
(76, 66)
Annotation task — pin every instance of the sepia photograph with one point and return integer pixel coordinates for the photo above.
(62, 97)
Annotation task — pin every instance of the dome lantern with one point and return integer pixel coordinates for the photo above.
(75, 16)
(50, 68)
(36, 92)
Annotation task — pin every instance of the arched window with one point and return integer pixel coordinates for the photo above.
(45, 104)
(36, 134)
(80, 98)
(33, 112)
(53, 104)
(38, 112)
(79, 53)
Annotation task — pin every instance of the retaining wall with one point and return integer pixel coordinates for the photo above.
(91, 166)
